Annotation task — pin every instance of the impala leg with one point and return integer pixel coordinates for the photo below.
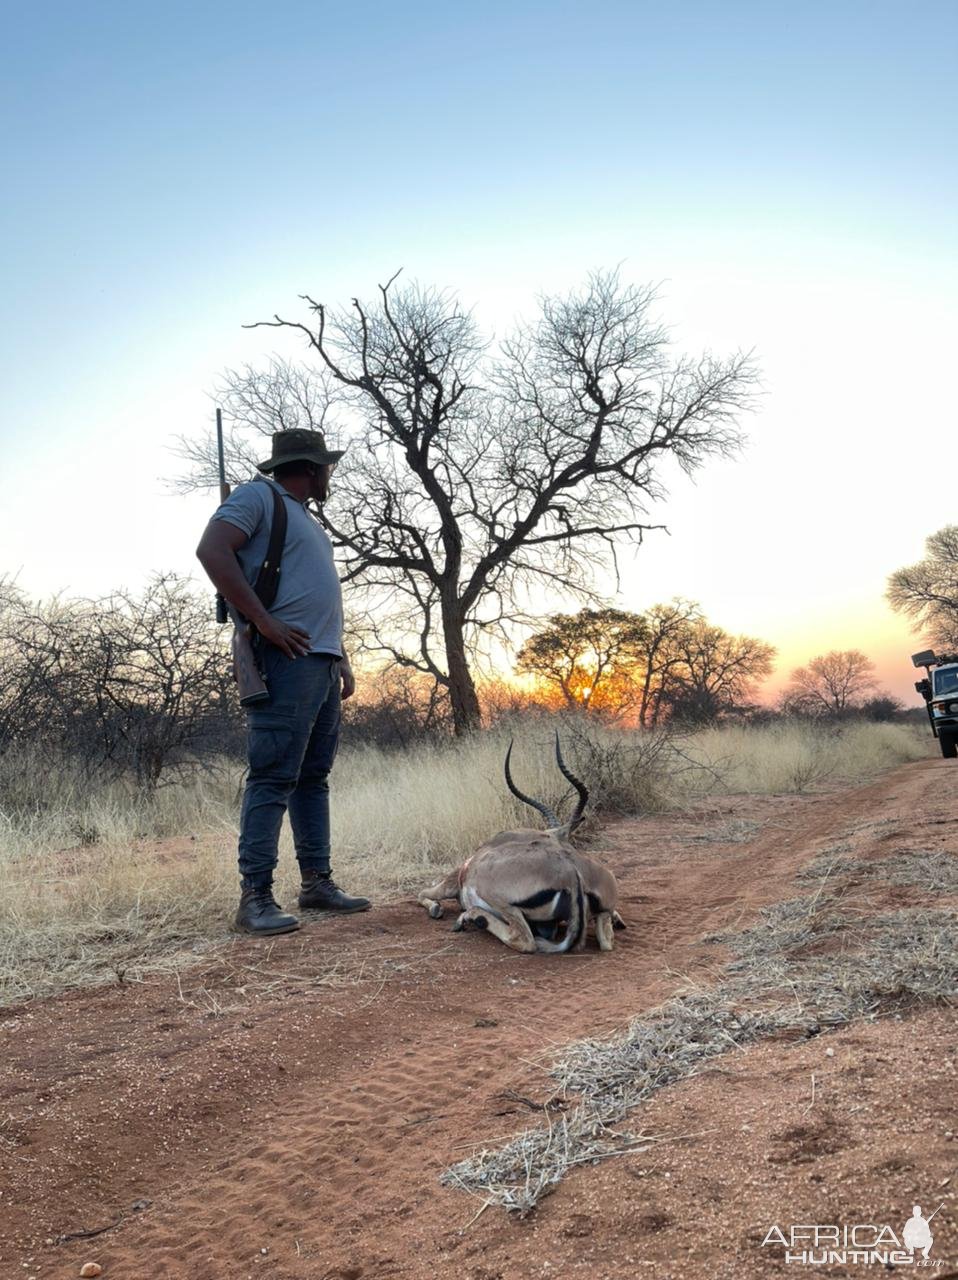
(603, 930)
(445, 888)
(503, 922)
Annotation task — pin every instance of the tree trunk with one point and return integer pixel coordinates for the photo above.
(466, 715)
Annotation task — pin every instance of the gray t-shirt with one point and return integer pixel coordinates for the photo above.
(309, 594)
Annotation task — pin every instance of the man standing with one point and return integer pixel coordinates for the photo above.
(299, 641)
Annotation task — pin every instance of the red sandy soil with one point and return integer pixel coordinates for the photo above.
(285, 1110)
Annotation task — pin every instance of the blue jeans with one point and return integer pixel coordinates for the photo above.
(291, 746)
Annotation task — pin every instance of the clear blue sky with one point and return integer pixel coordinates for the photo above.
(175, 170)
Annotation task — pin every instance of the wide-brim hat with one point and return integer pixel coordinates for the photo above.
(299, 445)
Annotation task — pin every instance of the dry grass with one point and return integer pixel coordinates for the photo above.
(49, 804)
(932, 870)
(85, 895)
(799, 756)
(777, 985)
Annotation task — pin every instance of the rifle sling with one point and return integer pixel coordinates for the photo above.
(267, 580)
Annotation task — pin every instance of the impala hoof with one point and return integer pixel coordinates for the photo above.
(436, 911)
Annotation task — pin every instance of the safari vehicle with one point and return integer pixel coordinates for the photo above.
(940, 691)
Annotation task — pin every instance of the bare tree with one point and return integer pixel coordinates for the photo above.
(470, 478)
(258, 402)
(667, 627)
(718, 672)
(927, 591)
(21, 681)
(136, 682)
(830, 684)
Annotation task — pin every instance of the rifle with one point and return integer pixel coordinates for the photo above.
(249, 683)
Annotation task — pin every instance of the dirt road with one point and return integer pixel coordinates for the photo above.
(284, 1111)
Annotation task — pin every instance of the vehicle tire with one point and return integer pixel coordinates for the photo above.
(949, 745)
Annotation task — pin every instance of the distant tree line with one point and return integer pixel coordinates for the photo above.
(140, 684)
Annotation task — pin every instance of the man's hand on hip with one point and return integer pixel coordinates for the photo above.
(293, 641)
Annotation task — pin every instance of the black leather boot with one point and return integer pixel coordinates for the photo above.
(321, 893)
(259, 913)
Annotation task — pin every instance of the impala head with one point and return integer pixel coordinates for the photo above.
(562, 829)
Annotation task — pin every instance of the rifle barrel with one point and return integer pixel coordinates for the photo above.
(222, 613)
(224, 487)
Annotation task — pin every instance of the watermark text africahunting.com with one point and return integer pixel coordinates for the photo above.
(818, 1244)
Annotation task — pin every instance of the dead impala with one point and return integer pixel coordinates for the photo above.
(531, 888)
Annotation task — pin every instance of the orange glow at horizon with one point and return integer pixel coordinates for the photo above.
(884, 637)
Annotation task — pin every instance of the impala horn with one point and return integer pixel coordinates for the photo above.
(546, 812)
(579, 786)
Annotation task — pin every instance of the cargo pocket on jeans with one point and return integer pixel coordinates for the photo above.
(267, 748)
